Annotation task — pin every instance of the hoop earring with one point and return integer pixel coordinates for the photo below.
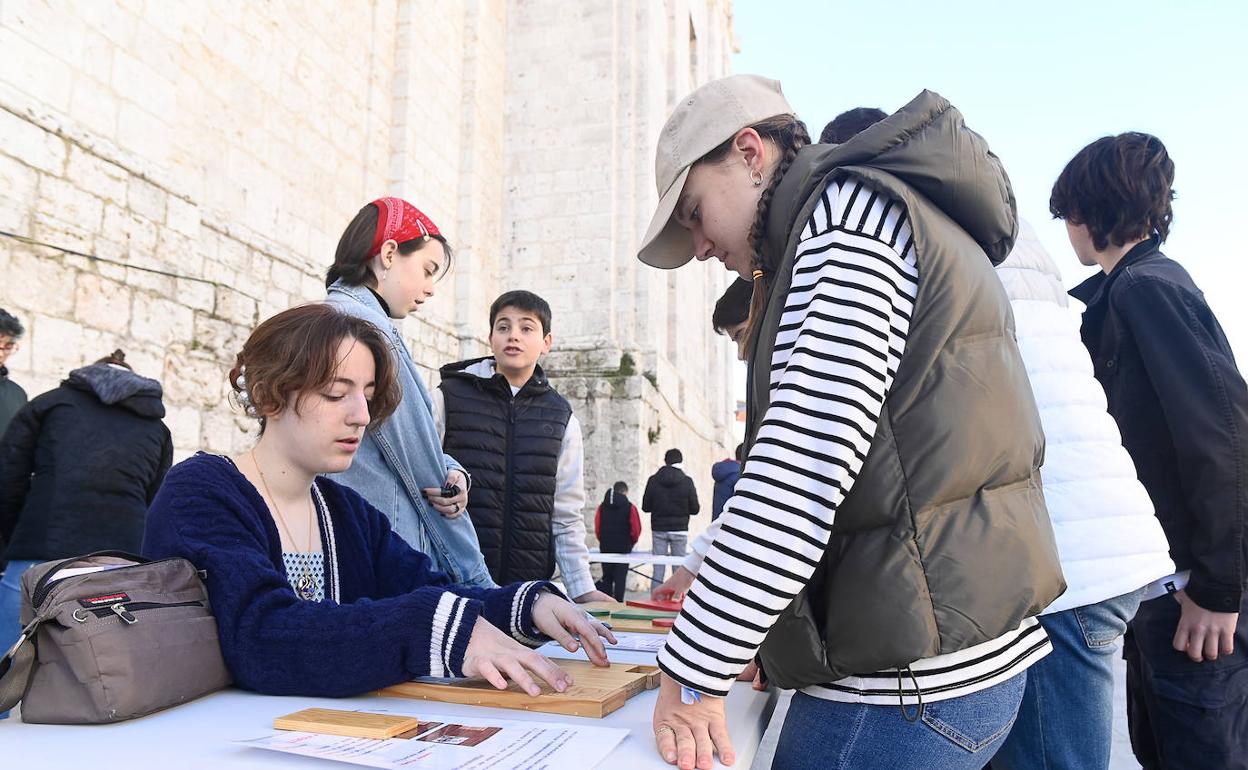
(756, 177)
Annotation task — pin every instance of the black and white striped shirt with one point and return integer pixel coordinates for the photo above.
(840, 340)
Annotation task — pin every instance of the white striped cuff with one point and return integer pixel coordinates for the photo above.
(445, 627)
(518, 604)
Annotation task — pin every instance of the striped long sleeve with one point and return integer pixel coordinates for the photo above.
(840, 340)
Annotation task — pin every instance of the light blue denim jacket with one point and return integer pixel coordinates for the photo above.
(404, 455)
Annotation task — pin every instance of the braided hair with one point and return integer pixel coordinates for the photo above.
(789, 135)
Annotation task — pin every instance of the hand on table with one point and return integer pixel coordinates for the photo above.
(689, 735)
(675, 587)
(593, 596)
(496, 657)
(450, 507)
(568, 625)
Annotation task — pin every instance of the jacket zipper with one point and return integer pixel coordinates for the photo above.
(505, 559)
(126, 610)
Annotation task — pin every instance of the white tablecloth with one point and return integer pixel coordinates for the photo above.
(635, 557)
(200, 734)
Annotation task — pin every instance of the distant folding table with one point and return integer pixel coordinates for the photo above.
(635, 557)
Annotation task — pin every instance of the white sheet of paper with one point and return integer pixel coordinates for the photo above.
(72, 571)
(638, 642)
(516, 745)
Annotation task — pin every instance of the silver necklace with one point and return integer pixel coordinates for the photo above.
(305, 585)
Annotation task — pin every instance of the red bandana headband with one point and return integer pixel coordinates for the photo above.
(399, 221)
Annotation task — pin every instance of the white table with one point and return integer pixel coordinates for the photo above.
(200, 734)
(635, 557)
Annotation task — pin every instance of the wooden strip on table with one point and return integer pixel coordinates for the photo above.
(355, 724)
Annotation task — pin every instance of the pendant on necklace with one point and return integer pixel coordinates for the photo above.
(306, 587)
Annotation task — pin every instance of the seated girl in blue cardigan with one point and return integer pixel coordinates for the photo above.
(312, 592)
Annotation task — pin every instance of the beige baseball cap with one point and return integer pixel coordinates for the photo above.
(702, 121)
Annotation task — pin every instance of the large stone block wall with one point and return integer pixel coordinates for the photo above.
(209, 155)
(228, 148)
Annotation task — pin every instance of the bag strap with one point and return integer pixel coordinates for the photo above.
(16, 666)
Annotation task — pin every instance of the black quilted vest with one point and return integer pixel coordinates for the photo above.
(511, 446)
(615, 524)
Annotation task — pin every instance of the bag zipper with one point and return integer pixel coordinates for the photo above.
(45, 585)
(126, 610)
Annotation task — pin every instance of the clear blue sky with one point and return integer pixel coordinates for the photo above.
(1040, 81)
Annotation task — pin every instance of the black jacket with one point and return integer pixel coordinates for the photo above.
(615, 524)
(510, 445)
(1182, 407)
(12, 398)
(670, 499)
(80, 463)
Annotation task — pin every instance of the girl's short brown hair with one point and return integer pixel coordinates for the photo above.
(296, 353)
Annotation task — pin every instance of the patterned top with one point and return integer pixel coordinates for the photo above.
(840, 342)
(310, 564)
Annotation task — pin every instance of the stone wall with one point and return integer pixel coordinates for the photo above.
(191, 165)
(581, 134)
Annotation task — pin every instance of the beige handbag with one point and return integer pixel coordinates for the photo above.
(110, 636)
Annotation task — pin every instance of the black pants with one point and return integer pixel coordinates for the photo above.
(614, 576)
(1183, 714)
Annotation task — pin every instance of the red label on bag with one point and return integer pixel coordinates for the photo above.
(96, 601)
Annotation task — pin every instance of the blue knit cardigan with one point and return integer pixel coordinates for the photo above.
(396, 616)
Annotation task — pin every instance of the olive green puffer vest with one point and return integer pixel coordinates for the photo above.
(944, 541)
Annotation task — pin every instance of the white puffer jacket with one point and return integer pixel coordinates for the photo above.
(1109, 541)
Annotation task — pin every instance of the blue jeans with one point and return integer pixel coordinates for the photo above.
(1067, 715)
(11, 606)
(951, 734)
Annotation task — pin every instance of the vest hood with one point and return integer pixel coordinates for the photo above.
(927, 146)
(116, 385)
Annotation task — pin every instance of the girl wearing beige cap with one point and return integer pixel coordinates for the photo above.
(887, 546)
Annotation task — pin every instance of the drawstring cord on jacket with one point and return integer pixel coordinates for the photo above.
(901, 700)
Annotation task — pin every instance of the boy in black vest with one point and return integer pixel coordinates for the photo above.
(1173, 388)
(520, 441)
(617, 526)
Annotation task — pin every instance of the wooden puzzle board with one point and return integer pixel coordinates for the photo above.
(596, 693)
